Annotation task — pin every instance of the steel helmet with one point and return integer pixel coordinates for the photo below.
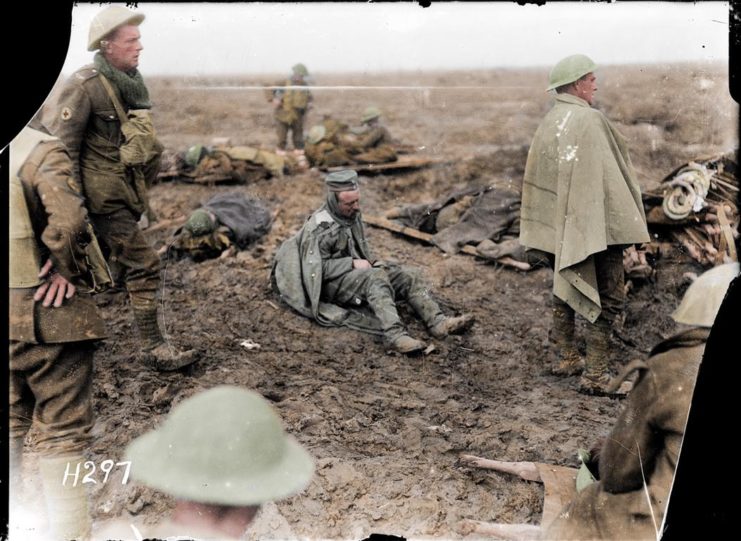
(703, 298)
(199, 223)
(224, 446)
(316, 134)
(300, 69)
(370, 113)
(570, 69)
(194, 155)
(107, 21)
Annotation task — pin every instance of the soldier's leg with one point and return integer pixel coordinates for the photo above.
(128, 247)
(60, 378)
(372, 286)
(297, 132)
(281, 131)
(409, 285)
(20, 414)
(568, 360)
(610, 283)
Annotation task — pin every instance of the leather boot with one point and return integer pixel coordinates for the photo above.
(404, 343)
(451, 325)
(568, 361)
(66, 499)
(596, 377)
(155, 352)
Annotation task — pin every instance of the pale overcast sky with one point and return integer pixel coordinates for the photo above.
(252, 38)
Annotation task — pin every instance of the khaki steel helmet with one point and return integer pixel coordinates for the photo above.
(316, 134)
(703, 298)
(195, 154)
(370, 113)
(200, 223)
(107, 21)
(224, 446)
(300, 69)
(570, 69)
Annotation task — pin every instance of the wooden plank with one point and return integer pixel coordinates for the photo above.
(396, 227)
(403, 162)
(725, 227)
(524, 470)
(514, 532)
(560, 488)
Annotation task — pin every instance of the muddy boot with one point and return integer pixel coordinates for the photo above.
(155, 352)
(438, 325)
(404, 343)
(596, 378)
(451, 325)
(66, 499)
(568, 361)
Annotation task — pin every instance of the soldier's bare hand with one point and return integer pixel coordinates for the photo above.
(55, 289)
(46, 268)
(361, 264)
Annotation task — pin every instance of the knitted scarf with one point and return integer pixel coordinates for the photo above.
(130, 84)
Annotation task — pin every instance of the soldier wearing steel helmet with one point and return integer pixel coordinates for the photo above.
(581, 204)
(90, 114)
(223, 475)
(291, 100)
(374, 144)
(637, 461)
(326, 272)
(327, 144)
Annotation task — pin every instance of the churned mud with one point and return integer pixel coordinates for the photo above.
(386, 430)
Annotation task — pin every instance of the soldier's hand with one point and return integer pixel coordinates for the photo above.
(55, 289)
(361, 264)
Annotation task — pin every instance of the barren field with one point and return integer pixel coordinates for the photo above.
(386, 430)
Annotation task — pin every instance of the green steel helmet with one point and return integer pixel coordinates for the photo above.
(300, 69)
(370, 113)
(570, 69)
(223, 446)
(195, 154)
(107, 21)
(200, 223)
(703, 298)
(316, 134)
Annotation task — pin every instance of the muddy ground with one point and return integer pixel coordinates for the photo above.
(387, 430)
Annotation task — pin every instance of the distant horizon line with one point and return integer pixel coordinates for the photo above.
(418, 71)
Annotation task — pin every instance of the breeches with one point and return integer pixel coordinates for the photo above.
(126, 246)
(52, 385)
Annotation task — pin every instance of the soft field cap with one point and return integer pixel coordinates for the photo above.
(224, 446)
(342, 181)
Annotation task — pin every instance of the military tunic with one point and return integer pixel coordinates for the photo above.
(51, 349)
(333, 149)
(644, 444)
(313, 271)
(375, 146)
(289, 116)
(83, 116)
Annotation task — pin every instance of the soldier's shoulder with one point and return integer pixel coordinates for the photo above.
(320, 221)
(85, 73)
